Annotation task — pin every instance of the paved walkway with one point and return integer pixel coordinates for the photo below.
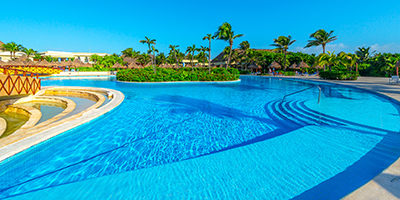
(387, 184)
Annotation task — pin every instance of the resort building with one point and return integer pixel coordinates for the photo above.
(61, 55)
(84, 57)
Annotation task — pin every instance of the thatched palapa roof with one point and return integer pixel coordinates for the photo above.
(254, 66)
(302, 64)
(118, 66)
(274, 65)
(294, 66)
(317, 67)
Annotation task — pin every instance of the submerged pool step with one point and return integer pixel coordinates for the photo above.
(297, 112)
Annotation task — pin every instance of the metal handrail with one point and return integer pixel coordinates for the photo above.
(319, 96)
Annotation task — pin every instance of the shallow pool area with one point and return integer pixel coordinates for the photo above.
(237, 140)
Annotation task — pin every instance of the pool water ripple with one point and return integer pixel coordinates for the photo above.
(159, 128)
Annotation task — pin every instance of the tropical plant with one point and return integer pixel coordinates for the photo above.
(209, 37)
(161, 58)
(37, 56)
(149, 42)
(174, 52)
(28, 52)
(364, 54)
(202, 56)
(348, 59)
(13, 48)
(282, 44)
(321, 37)
(327, 59)
(225, 33)
(191, 50)
(144, 59)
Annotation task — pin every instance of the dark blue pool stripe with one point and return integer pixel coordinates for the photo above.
(382, 155)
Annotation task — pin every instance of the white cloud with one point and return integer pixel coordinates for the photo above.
(317, 50)
(387, 48)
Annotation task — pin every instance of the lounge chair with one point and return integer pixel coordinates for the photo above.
(394, 80)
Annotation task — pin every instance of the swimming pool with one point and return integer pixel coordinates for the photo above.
(216, 141)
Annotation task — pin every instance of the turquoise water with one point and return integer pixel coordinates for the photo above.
(215, 141)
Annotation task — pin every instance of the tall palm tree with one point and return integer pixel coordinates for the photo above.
(246, 51)
(13, 48)
(149, 42)
(321, 37)
(282, 44)
(161, 58)
(174, 51)
(153, 50)
(225, 33)
(191, 50)
(28, 52)
(209, 37)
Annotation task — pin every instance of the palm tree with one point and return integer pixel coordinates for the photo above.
(161, 58)
(144, 59)
(246, 51)
(364, 54)
(153, 50)
(191, 50)
(225, 33)
(328, 59)
(174, 51)
(282, 44)
(209, 37)
(321, 37)
(149, 42)
(7, 47)
(28, 52)
(203, 55)
(348, 59)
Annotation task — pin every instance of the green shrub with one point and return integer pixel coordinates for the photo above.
(339, 75)
(181, 74)
(244, 71)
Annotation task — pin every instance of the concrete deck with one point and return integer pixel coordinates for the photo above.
(387, 184)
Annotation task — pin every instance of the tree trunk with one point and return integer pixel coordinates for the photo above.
(177, 61)
(209, 57)
(230, 53)
(323, 48)
(284, 64)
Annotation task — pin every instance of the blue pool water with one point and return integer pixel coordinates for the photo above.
(215, 141)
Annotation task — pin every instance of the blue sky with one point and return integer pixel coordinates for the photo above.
(112, 26)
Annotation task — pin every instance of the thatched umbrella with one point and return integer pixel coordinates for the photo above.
(18, 63)
(76, 63)
(45, 63)
(23, 58)
(302, 64)
(148, 64)
(118, 66)
(274, 65)
(294, 66)
(30, 63)
(2, 63)
(55, 64)
(254, 66)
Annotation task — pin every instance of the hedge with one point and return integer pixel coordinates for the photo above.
(182, 74)
(339, 75)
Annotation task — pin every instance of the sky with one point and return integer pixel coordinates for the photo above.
(112, 26)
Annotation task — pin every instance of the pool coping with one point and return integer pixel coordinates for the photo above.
(376, 188)
(73, 122)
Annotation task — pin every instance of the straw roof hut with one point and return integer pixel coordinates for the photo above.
(148, 64)
(55, 63)
(30, 63)
(275, 65)
(45, 63)
(168, 66)
(18, 63)
(254, 66)
(188, 65)
(76, 63)
(118, 66)
(88, 65)
(294, 66)
(302, 64)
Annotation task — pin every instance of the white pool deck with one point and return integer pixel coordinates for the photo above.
(386, 185)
